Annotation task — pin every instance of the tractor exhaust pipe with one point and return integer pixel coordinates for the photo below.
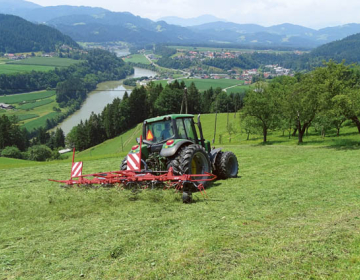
(201, 132)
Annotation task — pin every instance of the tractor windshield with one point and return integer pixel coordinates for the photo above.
(159, 131)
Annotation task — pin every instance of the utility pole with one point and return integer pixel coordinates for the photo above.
(213, 141)
(184, 100)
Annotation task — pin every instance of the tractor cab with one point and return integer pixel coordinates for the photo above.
(159, 129)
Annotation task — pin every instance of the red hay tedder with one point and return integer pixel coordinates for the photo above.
(172, 155)
(134, 179)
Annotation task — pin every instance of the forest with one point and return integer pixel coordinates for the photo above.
(19, 35)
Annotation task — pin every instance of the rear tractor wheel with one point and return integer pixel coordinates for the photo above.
(226, 165)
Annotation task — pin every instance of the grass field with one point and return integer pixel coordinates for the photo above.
(30, 96)
(46, 61)
(33, 105)
(33, 114)
(293, 213)
(41, 121)
(15, 68)
(137, 58)
(204, 84)
(35, 64)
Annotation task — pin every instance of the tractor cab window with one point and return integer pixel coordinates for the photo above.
(159, 131)
(181, 129)
(189, 129)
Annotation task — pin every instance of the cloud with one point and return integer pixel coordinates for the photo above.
(311, 13)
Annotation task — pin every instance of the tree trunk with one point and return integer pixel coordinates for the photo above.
(356, 121)
(265, 134)
(338, 132)
(301, 132)
(294, 133)
(248, 135)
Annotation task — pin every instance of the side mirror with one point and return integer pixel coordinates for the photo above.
(138, 140)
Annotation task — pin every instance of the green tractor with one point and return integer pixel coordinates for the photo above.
(172, 141)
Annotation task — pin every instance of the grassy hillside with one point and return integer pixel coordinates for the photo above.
(292, 214)
(348, 136)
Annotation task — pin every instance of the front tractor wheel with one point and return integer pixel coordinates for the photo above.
(226, 165)
(193, 160)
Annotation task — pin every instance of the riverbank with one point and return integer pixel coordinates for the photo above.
(104, 94)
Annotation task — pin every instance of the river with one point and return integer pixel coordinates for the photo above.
(104, 94)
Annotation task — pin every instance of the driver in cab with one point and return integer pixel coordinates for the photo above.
(165, 134)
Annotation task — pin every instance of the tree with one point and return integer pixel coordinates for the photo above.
(11, 152)
(262, 104)
(39, 153)
(59, 138)
(250, 125)
(169, 101)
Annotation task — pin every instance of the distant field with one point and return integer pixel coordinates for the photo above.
(46, 61)
(238, 89)
(17, 68)
(204, 84)
(35, 104)
(17, 98)
(24, 117)
(137, 58)
(31, 125)
(35, 64)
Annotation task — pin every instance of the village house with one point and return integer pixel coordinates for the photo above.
(6, 106)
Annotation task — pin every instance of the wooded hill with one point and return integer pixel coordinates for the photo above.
(19, 35)
(348, 49)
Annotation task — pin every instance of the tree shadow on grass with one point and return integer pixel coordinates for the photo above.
(336, 144)
(269, 143)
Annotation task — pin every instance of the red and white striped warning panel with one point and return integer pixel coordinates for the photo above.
(76, 169)
(133, 161)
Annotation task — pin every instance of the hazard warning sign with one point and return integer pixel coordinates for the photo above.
(149, 136)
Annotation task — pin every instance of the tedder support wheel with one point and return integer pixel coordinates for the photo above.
(187, 197)
(123, 165)
(226, 165)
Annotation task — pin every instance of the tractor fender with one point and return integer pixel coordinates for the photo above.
(213, 154)
(168, 152)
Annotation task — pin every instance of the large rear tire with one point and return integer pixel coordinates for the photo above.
(226, 165)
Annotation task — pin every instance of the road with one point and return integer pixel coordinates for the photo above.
(186, 74)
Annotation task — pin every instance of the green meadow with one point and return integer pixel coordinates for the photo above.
(137, 58)
(293, 213)
(35, 64)
(32, 109)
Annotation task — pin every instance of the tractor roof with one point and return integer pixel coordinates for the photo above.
(168, 117)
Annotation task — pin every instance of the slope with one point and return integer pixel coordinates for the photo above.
(270, 223)
(19, 35)
(348, 49)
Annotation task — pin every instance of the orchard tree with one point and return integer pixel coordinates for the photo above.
(262, 104)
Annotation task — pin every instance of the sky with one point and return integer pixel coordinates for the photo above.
(310, 13)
